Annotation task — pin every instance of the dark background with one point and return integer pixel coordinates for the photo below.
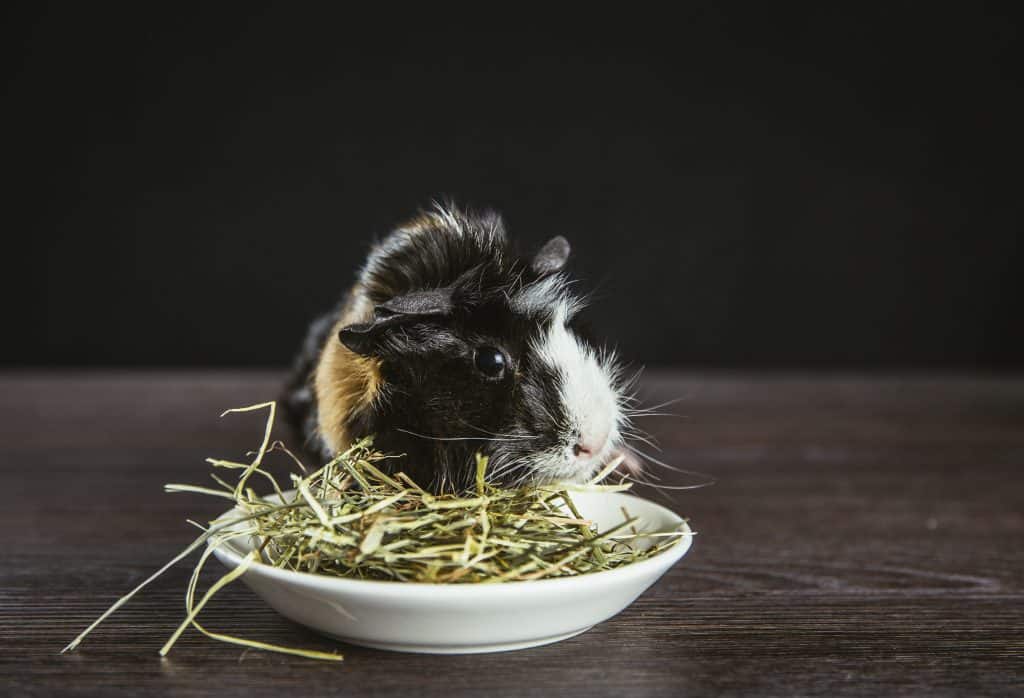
(817, 189)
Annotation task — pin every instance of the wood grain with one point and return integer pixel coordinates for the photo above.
(864, 537)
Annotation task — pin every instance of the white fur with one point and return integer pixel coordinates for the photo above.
(536, 298)
(449, 217)
(589, 397)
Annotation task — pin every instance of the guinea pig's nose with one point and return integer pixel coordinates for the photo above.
(589, 443)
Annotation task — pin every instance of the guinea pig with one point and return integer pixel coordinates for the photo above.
(448, 345)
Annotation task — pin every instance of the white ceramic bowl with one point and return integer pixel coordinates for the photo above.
(466, 618)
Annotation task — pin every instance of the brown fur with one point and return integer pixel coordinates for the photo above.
(344, 382)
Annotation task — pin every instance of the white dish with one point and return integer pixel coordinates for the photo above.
(467, 618)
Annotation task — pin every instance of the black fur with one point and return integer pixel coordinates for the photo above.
(441, 288)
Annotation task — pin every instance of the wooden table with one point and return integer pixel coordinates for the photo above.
(864, 537)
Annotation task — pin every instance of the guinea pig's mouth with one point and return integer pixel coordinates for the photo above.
(567, 465)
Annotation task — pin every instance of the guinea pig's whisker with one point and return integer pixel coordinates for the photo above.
(708, 479)
(513, 466)
(669, 403)
(521, 480)
(647, 413)
(630, 383)
(632, 434)
(498, 434)
(455, 438)
(662, 490)
(654, 411)
(631, 406)
(644, 480)
(504, 469)
(636, 429)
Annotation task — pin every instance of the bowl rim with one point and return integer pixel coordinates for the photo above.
(231, 556)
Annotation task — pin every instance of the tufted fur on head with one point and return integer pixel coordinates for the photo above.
(450, 344)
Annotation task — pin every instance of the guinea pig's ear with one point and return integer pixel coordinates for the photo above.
(360, 338)
(552, 257)
(364, 338)
(435, 301)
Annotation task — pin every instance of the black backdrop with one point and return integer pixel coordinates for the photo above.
(815, 189)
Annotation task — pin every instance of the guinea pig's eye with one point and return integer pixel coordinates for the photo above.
(490, 361)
